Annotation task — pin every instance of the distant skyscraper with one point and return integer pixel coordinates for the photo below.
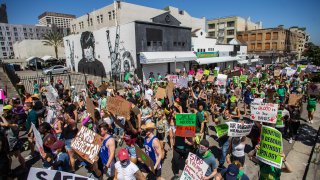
(3, 14)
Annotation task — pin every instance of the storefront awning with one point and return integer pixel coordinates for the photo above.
(166, 57)
(246, 61)
(217, 60)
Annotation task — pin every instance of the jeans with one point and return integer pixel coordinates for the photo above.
(224, 146)
(118, 130)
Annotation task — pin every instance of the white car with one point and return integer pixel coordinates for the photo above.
(57, 69)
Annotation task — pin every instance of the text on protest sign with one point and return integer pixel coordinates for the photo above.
(46, 174)
(279, 123)
(243, 78)
(119, 106)
(194, 169)
(186, 125)
(87, 144)
(238, 130)
(145, 158)
(161, 93)
(221, 129)
(182, 82)
(222, 79)
(173, 78)
(264, 112)
(210, 79)
(294, 99)
(38, 139)
(199, 76)
(270, 147)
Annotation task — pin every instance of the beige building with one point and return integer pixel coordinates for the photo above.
(225, 29)
(58, 19)
(303, 39)
(122, 13)
(271, 43)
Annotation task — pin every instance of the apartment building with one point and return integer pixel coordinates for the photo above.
(3, 14)
(58, 19)
(11, 33)
(225, 29)
(271, 43)
(303, 39)
(119, 13)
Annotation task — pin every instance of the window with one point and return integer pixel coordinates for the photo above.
(179, 43)
(154, 43)
(174, 43)
(24, 29)
(230, 24)
(30, 29)
(253, 37)
(183, 44)
(2, 43)
(148, 43)
(259, 38)
(212, 34)
(274, 45)
(109, 13)
(252, 47)
(3, 48)
(14, 29)
(91, 22)
(7, 28)
(229, 39)
(80, 25)
(113, 15)
(101, 18)
(10, 43)
(211, 26)
(267, 46)
(268, 36)
(245, 37)
(25, 34)
(230, 32)
(1, 33)
(9, 38)
(259, 46)
(4, 54)
(275, 36)
(98, 19)
(8, 34)
(159, 43)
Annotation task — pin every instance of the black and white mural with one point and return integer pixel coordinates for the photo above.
(102, 52)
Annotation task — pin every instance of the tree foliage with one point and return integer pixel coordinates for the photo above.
(313, 53)
(54, 39)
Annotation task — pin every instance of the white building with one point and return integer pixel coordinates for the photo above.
(11, 33)
(209, 52)
(58, 19)
(28, 48)
(125, 13)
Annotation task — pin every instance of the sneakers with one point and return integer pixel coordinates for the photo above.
(30, 156)
(290, 141)
(311, 122)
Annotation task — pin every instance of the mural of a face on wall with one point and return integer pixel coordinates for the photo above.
(126, 61)
(89, 64)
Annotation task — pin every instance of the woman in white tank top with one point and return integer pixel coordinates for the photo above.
(236, 150)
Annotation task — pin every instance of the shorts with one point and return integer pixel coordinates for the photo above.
(132, 151)
(161, 136)
(110, 172)
(67, 143)
(311, 108)
(173, 128)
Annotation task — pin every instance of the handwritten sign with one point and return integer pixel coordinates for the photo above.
(87, 144)
(39, 173)
(206, 72)
(221, 130)
(243, 78)
(236, 79)
(222, 79)
(186, 125)
(145, 158)
(279, 123)
(90, 106)
(314, 89)
(38, 139)
(182, 82)
(270, 147)
(172, 78)
(264, 112)
(277, 72)
(119, 106)
(195, 168)
(161, 93)
(294, 99)
(199, 76)
(238, 130)
(210, 79)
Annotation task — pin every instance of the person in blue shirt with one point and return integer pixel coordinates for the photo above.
(247, 98)
(204, 153)
(62, 161)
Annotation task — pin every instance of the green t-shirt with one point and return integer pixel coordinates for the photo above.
(127, 76)
(36, 89)
(281, 91)
(268, 172)
(199, 120)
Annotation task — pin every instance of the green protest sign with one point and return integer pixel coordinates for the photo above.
(221, 129)
(235, 79)
(279, 123)
(255, 80)
(186, 119)
(243, 78)
(264, 76)
(270, 147)
(253, 90)
(215, 72)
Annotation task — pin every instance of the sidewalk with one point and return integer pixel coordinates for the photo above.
(4, 81)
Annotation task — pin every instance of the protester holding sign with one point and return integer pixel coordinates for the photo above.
(236, 150)
(204, 153)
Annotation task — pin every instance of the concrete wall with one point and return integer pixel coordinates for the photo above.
(202, 42)
(27, 48)
(102, 53)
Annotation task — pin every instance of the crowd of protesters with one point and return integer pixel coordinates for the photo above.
(152, 125)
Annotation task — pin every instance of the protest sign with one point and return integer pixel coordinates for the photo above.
(206, 72)
(215, 72)
(234, 73)
(222, 79)
(221, 129)
(186, 125)
(238, 130)
(161, 93)
(190, 77)
(169, 90)
(314, 89)
(199, 76)
(46, 174)
(182, 82)
(257, 101)
(252, 69)
(290, 71)
(270, 147)
(210, 79)
(255, 80)
(236, 79)
(119, 106)
(264, 112)
(103, 87)
(294, 99)
(253, 90)
(243, 78)
(172, 78)
(279, 123)
(90, 107)
(178, 70)
(195, 168)
(38, 139)
(87, 144)
(51, 94)
(145, 158)
(277, 72)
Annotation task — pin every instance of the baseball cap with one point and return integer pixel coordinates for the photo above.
(232, 172)
(7, 107)
(123, 154)
(204, 142)
(57, 145)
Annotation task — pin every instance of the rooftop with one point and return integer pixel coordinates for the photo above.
(56, 14)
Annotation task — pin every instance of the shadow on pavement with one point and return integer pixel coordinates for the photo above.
(306, 135)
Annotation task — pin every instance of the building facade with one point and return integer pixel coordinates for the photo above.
(271, 44)
(225, 29)
(11, 33)
(303, 39)
(58, 19)
(123, 13)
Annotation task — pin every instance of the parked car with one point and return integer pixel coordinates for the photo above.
(58, 69)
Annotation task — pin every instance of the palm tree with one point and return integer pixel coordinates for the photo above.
(54, 39)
